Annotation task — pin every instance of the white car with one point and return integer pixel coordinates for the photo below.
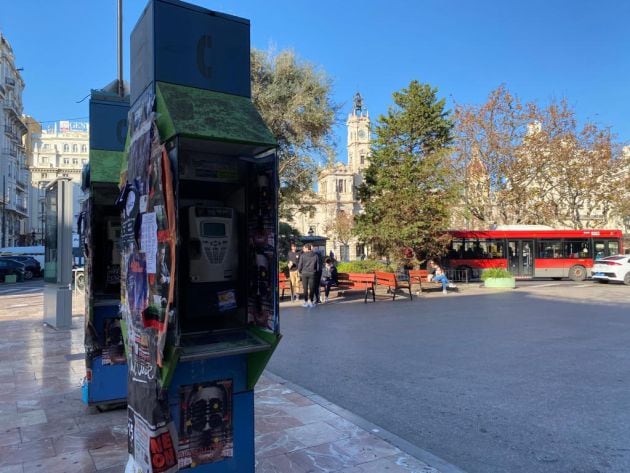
(612, 268)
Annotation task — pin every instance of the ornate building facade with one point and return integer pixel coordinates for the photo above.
(337, 183)
(15, 179)
(60, 150)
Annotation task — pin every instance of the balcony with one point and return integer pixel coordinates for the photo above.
(16, 109)
(21, 209)
(8, 129)
(2, 90)
(9, 81)
(20, 184)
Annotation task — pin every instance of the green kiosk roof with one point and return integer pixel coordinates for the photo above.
(208, 115)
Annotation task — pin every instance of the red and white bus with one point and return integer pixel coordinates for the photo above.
(532, 253)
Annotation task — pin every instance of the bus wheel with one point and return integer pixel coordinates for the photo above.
(577, 273)
(626, 279)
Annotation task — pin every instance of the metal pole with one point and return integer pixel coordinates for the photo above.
(121, 87)
(4, 210)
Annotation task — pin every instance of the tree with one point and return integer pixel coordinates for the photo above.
(340, 226)
(286, 235)
(408, 187)
(295, 101)
(486, 140)
(527, 164)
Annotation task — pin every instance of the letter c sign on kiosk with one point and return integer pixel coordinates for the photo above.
(199, 257)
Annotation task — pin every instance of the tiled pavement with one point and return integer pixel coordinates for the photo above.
(45, 427)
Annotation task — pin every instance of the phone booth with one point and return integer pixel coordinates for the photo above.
(199, 232)
(58, 254)
(105, 382)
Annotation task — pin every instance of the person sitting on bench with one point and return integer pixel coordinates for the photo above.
(439, 276)
(329, 277)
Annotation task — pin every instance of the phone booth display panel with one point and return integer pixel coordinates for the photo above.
(106, 364)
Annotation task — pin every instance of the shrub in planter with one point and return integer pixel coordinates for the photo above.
(362, 266)
(498, 277)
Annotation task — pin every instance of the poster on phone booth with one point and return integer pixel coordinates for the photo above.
(205, 423)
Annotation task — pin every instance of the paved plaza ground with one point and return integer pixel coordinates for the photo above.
(45, 427)
(531, 380)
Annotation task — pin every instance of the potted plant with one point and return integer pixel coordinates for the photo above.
(498, 277)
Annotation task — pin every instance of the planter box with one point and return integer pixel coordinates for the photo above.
(10, 278)
(505, 283)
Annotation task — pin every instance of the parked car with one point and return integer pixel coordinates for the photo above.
(33, 268)
(612, 268)
(9, 267)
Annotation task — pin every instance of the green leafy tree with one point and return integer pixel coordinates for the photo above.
(295, 101)
(286, 235)
(408, 187)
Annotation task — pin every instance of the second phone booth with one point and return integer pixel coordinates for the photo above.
(199, 236)
(106, 365)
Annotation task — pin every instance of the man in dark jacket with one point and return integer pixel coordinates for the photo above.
(308, 266)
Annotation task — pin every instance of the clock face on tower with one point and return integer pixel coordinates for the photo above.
(362, 134)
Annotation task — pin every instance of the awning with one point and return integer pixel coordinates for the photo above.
(208, 115)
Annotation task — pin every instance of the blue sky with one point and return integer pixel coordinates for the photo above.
(540, 49)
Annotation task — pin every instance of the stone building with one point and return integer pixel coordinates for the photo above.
(13, 169)
(337, 183)
(60, 150)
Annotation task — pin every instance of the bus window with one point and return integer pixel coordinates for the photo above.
(549, 249)
(605, 248)
(496, 248)
(475, 249)
(576, 249)
(457, 248)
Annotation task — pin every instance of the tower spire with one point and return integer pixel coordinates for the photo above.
(358, 104)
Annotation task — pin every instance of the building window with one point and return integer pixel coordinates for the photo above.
(75, 161)
(65, 174)
(66, 160)
(66, 148)
(85, 161)
(362, 159)
(45, 146)
(44, 175)
(341, 185)
(75, 149)
(83, 148)
(43, 159)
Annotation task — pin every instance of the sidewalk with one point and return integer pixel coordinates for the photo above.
(45, 427)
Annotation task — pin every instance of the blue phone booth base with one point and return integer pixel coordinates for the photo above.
(108, 384)
(206, 372)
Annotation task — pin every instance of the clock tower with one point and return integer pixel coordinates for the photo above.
(358, 137)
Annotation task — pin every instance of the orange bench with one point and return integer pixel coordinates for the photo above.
(284, 284)
(392, 283)
(350, 281)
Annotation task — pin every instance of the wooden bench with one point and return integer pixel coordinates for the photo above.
(284, 284)
(421, 277)
(351, 281)
(392, 283)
